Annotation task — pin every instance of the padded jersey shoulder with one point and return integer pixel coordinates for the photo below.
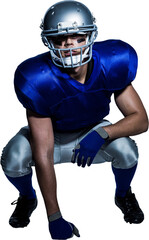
(33, 67)
(27, 77)
(39, 84)
(118, 61)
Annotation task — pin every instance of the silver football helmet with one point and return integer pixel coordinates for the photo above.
(69, 17)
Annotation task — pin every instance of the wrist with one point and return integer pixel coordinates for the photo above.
(102, 133)
(54, 216)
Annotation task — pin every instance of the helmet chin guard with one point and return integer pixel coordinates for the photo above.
(69, 17)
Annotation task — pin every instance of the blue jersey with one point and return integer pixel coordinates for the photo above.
(47, 90)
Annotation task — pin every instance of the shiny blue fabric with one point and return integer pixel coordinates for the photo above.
(49, 91)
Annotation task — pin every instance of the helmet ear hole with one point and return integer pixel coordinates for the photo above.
(69, 17)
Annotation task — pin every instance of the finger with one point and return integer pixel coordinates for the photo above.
(73, 160)
(78, 159)
(75, 230)
(75, 153)
(84, 163)
(82, 160)
(89, 161)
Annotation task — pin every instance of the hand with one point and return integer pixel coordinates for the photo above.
(87, 149)
(61, 229)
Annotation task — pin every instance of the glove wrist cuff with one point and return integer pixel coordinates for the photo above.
(54, 216)
(102, 133)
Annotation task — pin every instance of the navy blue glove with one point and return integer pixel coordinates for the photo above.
(60, 228)
(87, 149)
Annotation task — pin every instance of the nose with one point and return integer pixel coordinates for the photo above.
(68, 42)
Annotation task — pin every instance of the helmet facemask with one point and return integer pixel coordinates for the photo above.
(83, 57)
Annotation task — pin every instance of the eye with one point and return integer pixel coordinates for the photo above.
(81, 40)
(57, 42)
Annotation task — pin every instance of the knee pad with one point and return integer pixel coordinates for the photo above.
(125, 153)
(16, 157)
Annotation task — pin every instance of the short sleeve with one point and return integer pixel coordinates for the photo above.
(133, 64)
(122, 66)
(29, 96)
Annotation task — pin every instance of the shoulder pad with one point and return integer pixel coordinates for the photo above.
(26, 76)
(118, 62)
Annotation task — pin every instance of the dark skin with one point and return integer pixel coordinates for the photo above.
(134, 122)
(42, 144)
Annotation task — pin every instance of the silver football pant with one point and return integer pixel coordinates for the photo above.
(17, 159)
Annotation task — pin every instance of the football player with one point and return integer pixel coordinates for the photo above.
(66, 92)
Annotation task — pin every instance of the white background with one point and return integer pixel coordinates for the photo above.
(85, 195)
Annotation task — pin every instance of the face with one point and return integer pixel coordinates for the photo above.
(69, 41)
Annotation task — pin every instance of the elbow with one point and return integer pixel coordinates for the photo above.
(144, 125)
(145, 129)
(141, 122)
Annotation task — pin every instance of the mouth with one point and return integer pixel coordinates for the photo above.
(68, 54)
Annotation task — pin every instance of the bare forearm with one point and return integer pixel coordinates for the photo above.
(42, 144)
(135, 119)
(47, 182)
(128, 126)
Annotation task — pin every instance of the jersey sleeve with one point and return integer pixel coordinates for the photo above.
(133, 64)
(123, 66)
(29, 96)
